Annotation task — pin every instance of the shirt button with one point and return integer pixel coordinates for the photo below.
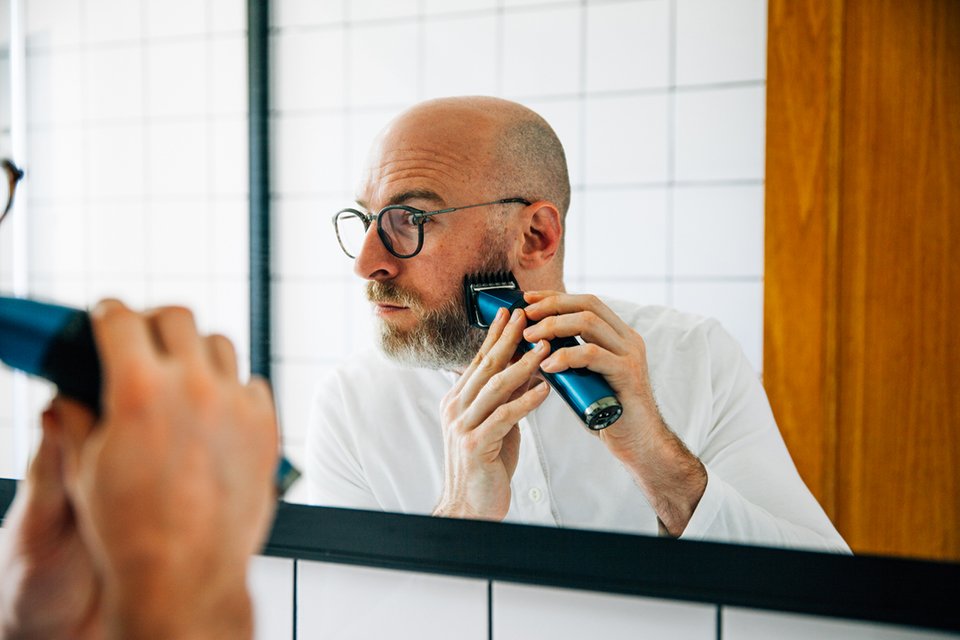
(535, 494)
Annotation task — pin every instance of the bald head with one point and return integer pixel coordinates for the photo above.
(503, 143)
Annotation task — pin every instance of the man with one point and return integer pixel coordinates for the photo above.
(450, 423)
(141, 524)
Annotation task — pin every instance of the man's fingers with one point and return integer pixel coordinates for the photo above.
(222, 355)
(176, 331)
(499, 423)
(501, 387)
(497, 358)
(122, 336)
(589, 356)
(586, 324)
(493, 334)
(553, 304)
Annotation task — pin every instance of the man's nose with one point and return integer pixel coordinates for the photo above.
(374, 262)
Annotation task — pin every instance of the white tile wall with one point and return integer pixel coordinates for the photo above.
(382, 63)
(336, 602)
(270, 581)
(381, 9)
(450, 47)
(530, 613)
(107, 99)
(745, 624)
(732, 213)
(433, 7)
(108, 21)
(720, 134)
(8, 465)
(624, 232)
(527, 69)
(300, 13)
(627, 140)
(175, 17)
(659, 105)
(309, 70)
(721, 41)
(637, 62)
(55, 96)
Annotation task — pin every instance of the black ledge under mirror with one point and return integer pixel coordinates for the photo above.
(888, 590)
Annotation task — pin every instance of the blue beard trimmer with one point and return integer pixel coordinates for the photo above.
(56, 343)
(585, 391)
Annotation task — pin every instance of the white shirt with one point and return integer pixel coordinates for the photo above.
(375, 442)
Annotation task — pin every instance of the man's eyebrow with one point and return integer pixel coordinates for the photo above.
(411, 194)
(416, 194)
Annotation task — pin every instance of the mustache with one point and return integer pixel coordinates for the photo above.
(391, 293)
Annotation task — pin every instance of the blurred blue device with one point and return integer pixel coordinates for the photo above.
(56, 343)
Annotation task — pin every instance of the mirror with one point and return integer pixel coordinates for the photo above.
(666, 159)
(138, 189)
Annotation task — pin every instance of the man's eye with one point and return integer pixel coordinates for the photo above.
(416, 218)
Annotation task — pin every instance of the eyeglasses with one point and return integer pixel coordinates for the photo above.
(400, 227)
(9, 186)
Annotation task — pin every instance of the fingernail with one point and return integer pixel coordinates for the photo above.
(501, 312)
(541, 345)
(517, 314)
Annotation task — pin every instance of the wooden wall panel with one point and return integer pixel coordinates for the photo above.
(803, 91)
(862, 309)
(898, 487)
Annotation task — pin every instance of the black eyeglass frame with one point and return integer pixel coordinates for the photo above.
(13, 174)
(417, 216)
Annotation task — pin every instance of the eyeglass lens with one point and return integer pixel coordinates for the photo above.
(350, 231)
(402, 234)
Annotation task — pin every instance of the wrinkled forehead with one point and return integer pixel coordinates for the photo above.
(451, 157)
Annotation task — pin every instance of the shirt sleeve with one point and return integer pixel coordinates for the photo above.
(754, 494)
(334, 474)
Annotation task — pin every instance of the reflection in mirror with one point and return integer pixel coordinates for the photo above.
(665, 166)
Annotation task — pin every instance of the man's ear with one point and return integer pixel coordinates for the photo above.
(542, 232)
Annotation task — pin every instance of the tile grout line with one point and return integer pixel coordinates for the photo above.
(296, 598)
(489, 609)
(582, 152)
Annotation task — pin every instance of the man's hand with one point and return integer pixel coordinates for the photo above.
(172, 488)
(479, 417)
(48, 586)
(670, 476)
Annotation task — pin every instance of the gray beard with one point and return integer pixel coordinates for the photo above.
(442, 338)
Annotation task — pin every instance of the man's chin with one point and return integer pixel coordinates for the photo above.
(424, 348)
